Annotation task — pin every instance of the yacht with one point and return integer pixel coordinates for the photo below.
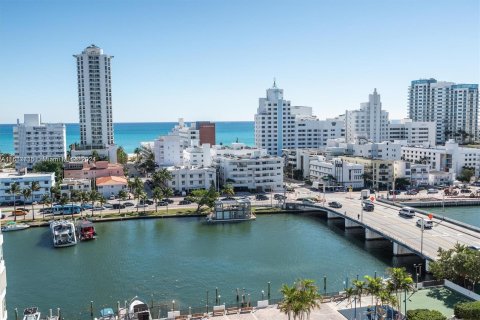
(63, 233)
(137, 310)
(107, 314)
(13, 226)
(86, 230)
(31, 314)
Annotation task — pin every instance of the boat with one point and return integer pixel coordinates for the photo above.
(31, 314)
(13, 226)
(63, 233)
(86, 230)
(236, 210)
(137, 310)
(107, 314)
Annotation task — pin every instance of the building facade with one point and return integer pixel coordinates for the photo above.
(91, 170)
(187, 178)
(336, 172)
(453, 107)
(111, 185)
(368, 123)
(206, 132)
(45, 182)
(95, 98)
(382, 150)
(413, 132)
(35, 141)
(78, 185)
(3, 283)
(378, 173)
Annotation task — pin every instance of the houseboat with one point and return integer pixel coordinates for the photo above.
(63, 233)
(235, 210)
(86, 230)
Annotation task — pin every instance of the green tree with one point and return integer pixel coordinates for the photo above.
(122, 196)
(161, 178)
(122, 156)
(359, 289)
(401, 183)
(199, 197)
(157, 195)
(145, 161)
(93, 196)
(466, 174)
(15, 191)
(34, 187)
(300, 299)
(46, 200)
(50, 166)
(26, 193)
(228, 190)
(398, 282)
(143, 197)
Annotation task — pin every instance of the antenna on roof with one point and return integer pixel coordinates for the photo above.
(274, 82)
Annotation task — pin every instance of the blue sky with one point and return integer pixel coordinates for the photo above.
(212, 60)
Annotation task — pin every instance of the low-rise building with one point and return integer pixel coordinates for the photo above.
(336, 172)
(91, 170)
(198, 156)
(111, 185)
(299, 160)
(79, 185)
(380, 150)
(45, 182)
(378, 173)
(413, 132)
(440, 178)
(185, 178)
(258, 172)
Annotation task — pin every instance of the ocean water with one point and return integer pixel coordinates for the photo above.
(129, 135)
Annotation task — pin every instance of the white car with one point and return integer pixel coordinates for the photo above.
(140, 205)
(427, 224)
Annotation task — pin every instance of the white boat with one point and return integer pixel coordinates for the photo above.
(31, 314)
(13, 226)
(63, 233)
(107, 314)
(137, 310)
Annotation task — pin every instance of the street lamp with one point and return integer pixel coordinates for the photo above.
(173, 305)
(263, 295)
(421, 243)
(418, 272)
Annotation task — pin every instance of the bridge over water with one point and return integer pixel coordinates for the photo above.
(385, 223)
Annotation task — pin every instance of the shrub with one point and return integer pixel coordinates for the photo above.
(468, 310)
(425, 314)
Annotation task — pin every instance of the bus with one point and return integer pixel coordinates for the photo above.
(66, 209)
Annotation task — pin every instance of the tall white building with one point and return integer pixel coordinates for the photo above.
(35, 141)
(454, 108)
(370, 122)
(279, 125)
(95, 98)
(413, 132)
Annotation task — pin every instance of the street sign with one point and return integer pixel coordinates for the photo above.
(372, 198)
(430, 216)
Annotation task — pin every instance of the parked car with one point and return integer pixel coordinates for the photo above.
(141, 205)
(112, 197)
(261, 197)
(427, 224)
(162, 203)
(108, 206)
(411, 192)
(279, 196)
(407, 212)
(128, 204)
(149, 201)
(18, 212)
(394, 192)
(184, 202)
(168, 200)
(335, 204)
(98, 208)
(228, 198)
(86, 206)
(118, 206)
(465, 190)
(306, 201)
(432, 191)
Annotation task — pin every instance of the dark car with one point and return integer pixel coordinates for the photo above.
(167, 200)
(184, 202)
(279, 197)
(368, 206)
(394, 192)
(228, 198)
(128, 204)
(465, 191)
(261, 197)
(411, 192)
(118, 206)
(335, 204)
(162, 203)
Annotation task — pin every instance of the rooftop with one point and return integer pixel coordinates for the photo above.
(111, 180)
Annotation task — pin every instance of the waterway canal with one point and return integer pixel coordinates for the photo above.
(466, 214)
(180, 258)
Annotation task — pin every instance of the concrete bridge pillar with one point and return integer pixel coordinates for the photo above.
(372, 235)
(427, 265)
(351, 224)
(399, 250)
(332, 215)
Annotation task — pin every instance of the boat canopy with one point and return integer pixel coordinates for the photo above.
(106, 312)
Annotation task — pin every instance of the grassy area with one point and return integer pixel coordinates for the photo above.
(440, 298)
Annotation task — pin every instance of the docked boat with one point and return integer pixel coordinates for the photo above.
(107, 314)
(236, 210)
(63, 233)
(137, 310)
(31, 314)
(13, 226)
(86, 230)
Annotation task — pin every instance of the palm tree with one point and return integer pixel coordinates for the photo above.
(83, 197)
(161, 177)
(137, 192)
(93, 196)
(122, 196)
(157, 195)
(102, 201)
(63, 201)
(143, 196)
(26, 193)
(14, 190)
(46, 201)
(228, 190)
(300, 299)
(359, 288)
(34, 187)
(373, 287)
(399, 281)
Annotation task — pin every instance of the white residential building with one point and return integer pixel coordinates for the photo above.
(340, 172)
(95, 98)
(35, 141)
(111, 185)
(259, 171)
(186, 178)
(168, 150)
(279, 125)
(45, 182)
(198, 156)
(369, 123)
(235, 149)
(380, 150)
(3, 283)
(416, 173)
(453, 107)
(188, 132)
(299, 159)
(448, 158)
(79, 185)
(413, 132)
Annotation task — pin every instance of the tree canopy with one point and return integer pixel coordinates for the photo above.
(50, 166)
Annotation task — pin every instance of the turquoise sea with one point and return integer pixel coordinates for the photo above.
(129, 135)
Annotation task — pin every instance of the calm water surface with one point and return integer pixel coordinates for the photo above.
(181, 258)
(470, 215)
